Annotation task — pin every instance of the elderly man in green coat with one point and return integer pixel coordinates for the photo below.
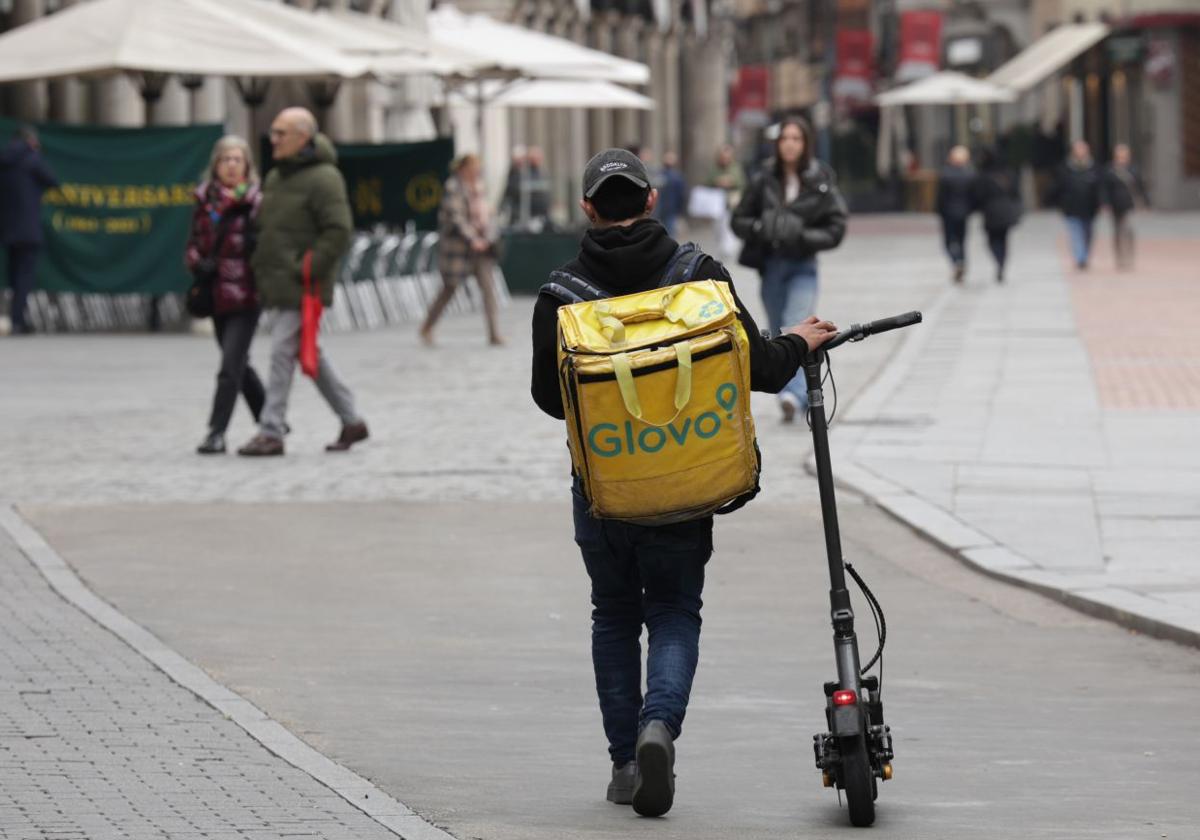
(304, 208)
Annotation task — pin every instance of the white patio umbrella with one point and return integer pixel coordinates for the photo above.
(521, 52)
(195, 37)
(946, 88)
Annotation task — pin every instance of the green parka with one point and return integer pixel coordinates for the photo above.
(304, 206)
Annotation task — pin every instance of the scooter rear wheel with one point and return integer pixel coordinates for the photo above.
(858, 782)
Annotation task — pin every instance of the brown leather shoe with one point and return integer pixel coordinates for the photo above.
(351, 434)
(262, 446)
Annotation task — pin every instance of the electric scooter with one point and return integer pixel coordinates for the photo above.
(856, 753)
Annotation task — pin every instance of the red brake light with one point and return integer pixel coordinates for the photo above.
(844, 697)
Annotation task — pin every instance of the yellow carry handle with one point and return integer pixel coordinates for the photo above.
(683, 383)
(612, 323)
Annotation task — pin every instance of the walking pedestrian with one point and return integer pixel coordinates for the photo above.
(954, 205)
(1078, 193)
(791, 211)
(998, 197)
(644, 575)
(304, 209)
(219, 249)
(672, 195)
(24, 177)
(727, 174)
(1124, 190)
(466, 245)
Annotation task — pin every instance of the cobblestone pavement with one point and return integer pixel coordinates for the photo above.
(1047, 429)
(96, 743)
(115, 418)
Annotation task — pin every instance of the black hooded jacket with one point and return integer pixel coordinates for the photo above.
(628, 259)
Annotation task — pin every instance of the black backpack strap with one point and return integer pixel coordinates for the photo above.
(568, 288)
(681, 268)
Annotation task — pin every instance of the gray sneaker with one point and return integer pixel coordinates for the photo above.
(654, 790)
(620, 789)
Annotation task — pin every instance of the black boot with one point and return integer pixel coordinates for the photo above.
(654, 789)
(620, 789)
(214, 444)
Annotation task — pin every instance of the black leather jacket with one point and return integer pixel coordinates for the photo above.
(814, 221)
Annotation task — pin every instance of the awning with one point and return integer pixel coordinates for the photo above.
(946, 88)
(1048, 54)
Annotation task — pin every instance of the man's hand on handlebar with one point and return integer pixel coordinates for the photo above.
(814, 331)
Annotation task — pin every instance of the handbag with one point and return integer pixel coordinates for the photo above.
(311, 309)
(200, 300)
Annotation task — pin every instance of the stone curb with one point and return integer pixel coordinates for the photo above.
(362, 794)
(983, 554)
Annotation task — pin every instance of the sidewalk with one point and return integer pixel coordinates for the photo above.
(97, 742)
(1046, 430)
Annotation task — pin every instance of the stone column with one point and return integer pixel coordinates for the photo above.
(628, 45)
(28, 99)
(117, 101)
(669, 109)
(68, 97)
(601, 119)
(706, 112)
(655, 124)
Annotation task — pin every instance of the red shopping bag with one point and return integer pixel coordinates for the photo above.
(310, 321)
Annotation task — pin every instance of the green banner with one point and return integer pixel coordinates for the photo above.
(120, 219)
(394, 183)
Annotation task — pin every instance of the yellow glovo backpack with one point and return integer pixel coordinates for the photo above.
(656, 390)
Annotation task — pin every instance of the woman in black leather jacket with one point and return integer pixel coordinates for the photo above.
(791, 210)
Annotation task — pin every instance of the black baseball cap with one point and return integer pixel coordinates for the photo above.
(612, 163)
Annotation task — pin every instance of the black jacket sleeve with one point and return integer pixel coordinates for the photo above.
(545, 357)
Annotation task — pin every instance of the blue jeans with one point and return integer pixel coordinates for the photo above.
(643, 575)
(1080, 231)
(789, 292)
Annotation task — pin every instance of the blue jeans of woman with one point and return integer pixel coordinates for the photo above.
(651, 575)
(789, 292)
(1080, 231)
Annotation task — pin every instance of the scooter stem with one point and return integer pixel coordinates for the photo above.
(845, 643)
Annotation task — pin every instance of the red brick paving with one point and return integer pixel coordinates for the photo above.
(1142, 327)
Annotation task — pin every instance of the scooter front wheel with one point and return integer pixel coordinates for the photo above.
(858, 781)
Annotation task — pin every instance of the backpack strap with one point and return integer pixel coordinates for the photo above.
(568, 288)
(681, 268)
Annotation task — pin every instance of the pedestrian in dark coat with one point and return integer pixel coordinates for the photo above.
(791, 211)
(955, 203)
(1078, 192)
(672, 195)
(998, 197)
(305, 210)
(226, 203)
(1123, 191)
(24, 177)
(467, 239)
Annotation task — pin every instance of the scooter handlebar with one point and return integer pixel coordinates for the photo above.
(893, 323)
(857, 332)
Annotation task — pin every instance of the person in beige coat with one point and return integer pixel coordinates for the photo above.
(466, 245)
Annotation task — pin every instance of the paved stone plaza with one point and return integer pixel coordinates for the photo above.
(415, 609)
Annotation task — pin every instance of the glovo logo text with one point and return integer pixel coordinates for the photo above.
(608, 440)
